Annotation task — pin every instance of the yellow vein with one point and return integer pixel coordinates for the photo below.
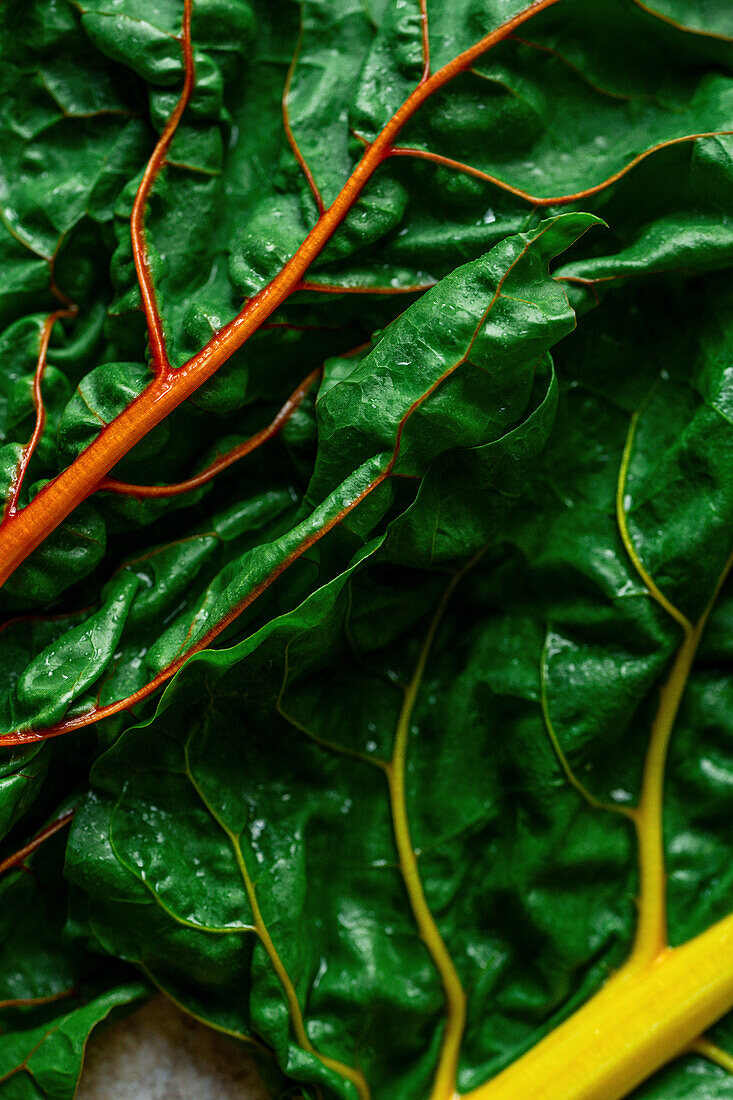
(658, 995)
(322, 742)
(713, 1053)
(444, 1084)
(233, 1033)
(575, 783)
(186, 922)
(291, 996)
(623, 525)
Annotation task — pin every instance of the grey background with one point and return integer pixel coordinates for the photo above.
(159, 1053)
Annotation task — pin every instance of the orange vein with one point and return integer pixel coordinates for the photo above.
(573, 68)
(158, 352)
(590, 281)
(29, 1002)
(680, 26)
(111, 485)
(19, 857)
(11, 505)
(23, 737)
(292, 142)
(553, 200)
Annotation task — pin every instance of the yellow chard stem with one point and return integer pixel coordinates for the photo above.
(663, 999)
(641, 1020)
(651, 929)
(651, 932)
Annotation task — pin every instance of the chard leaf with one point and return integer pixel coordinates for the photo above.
(392, 664)
(547, 657)
(459, 385)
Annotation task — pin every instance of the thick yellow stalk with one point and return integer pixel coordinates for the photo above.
(638, 1022)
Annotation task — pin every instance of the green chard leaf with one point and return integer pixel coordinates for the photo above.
(468, 401)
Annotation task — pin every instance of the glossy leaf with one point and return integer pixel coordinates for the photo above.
(387, 675)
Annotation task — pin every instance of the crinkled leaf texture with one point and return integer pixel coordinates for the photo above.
(378, 822)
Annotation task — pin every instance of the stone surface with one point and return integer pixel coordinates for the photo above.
(159, 1053)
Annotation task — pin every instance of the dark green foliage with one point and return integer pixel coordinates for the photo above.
(476, 426)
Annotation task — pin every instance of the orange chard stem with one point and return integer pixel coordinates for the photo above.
(425, 28)
(23, 532)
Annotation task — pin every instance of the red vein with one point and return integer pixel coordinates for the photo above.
(680, 26)
(24, 737)
(23, 532)
(276, 425)
(29, 736)
(573, 68)
(339, 288)
(18, 858)
(23, 1066)
(11, 504)
(57, 292)
(554, 200)
(425, 29)
(150, 554)
(28, 1002)
(58, 617)
(159, 355)
(304, 166)
(591, 281)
